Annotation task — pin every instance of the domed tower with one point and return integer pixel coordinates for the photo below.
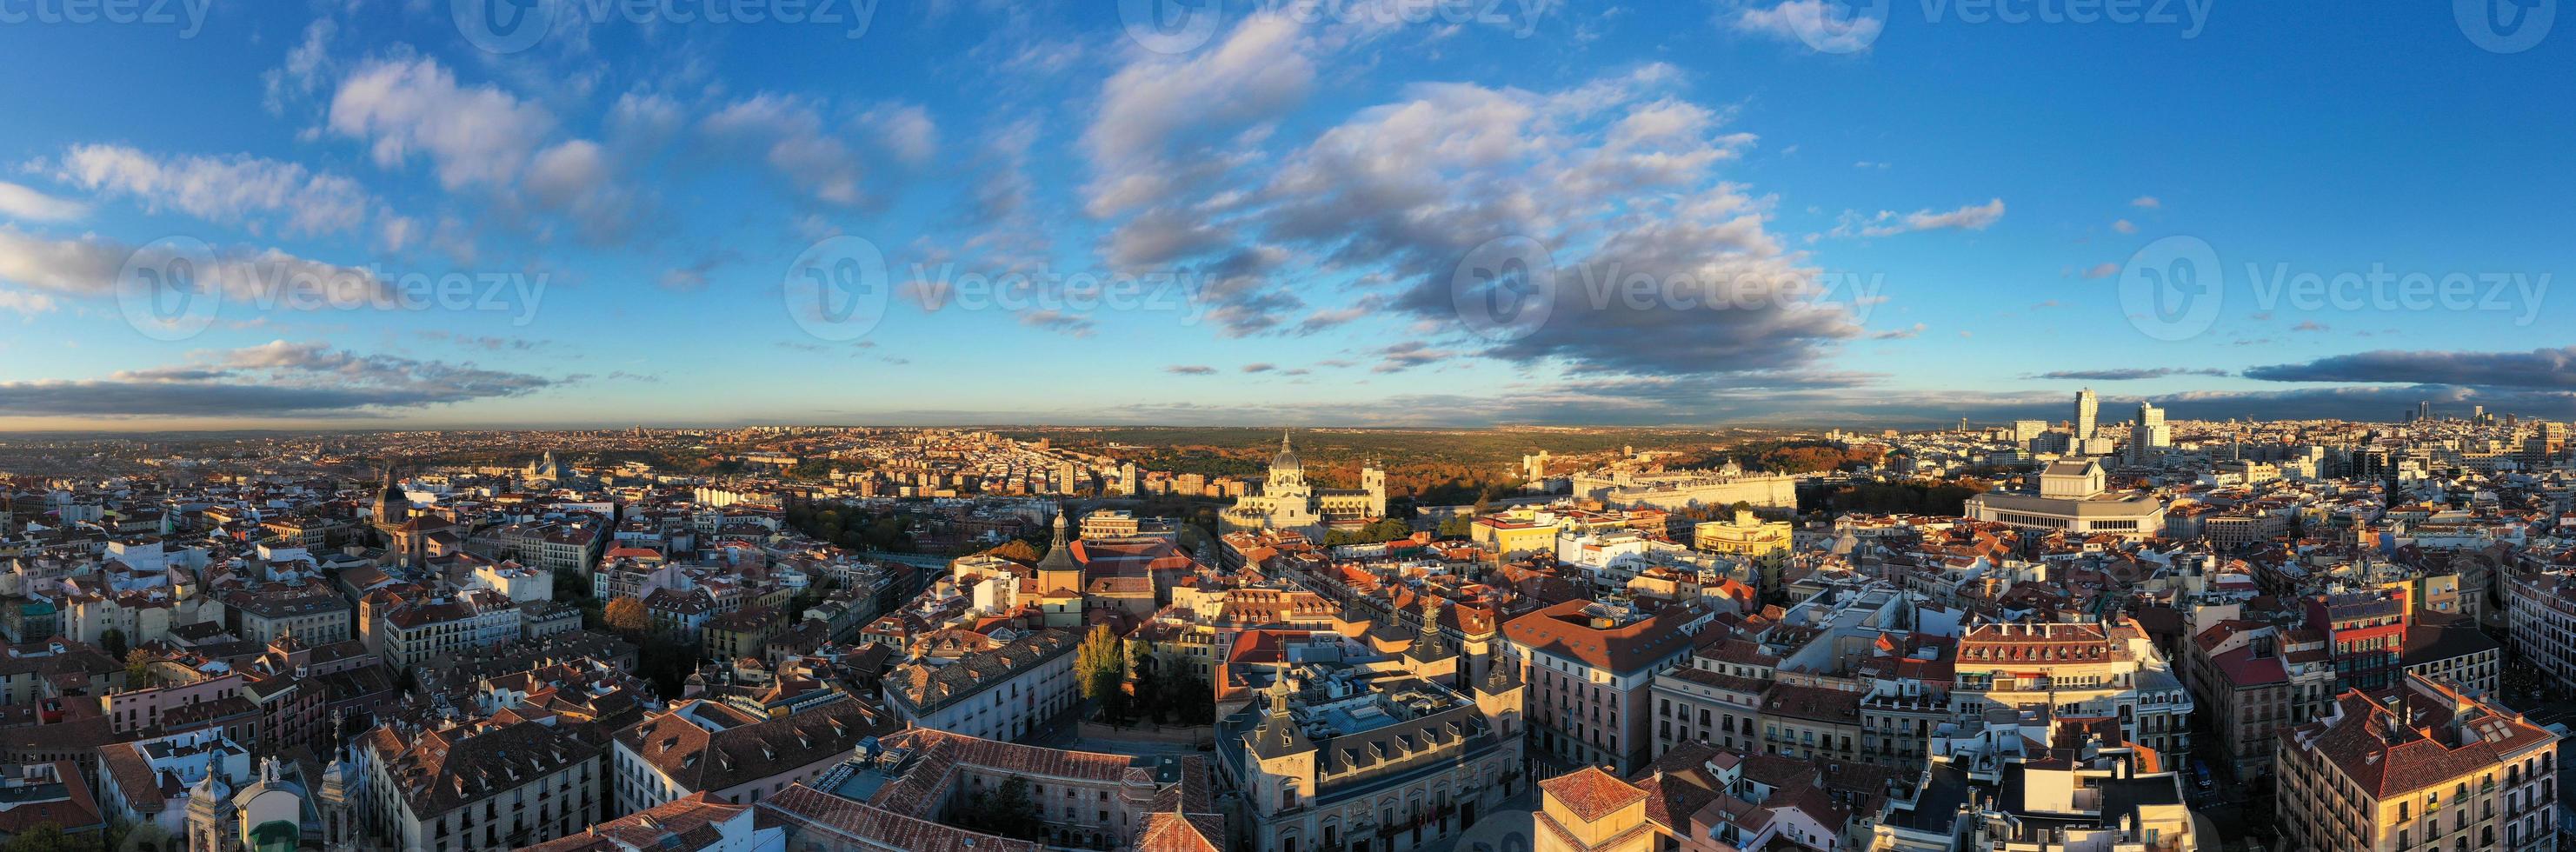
(1284, 758)
(1430, 654)
(393, 505)
(339, 828)
(210, 808)
(1285, 468)
(1057, 570)
(337, 799)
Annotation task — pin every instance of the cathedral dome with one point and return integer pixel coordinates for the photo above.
(1286, 467)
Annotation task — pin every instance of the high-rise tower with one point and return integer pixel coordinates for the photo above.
(2088, 411)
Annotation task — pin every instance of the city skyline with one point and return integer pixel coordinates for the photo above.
(403, 216)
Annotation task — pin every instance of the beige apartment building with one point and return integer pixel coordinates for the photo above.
(2104, 669)
(1591, 667)
(2419, 766)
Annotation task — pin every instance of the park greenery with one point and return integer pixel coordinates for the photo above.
(851, 527)
(1161, 691)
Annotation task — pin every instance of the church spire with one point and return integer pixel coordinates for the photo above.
(1279, 695)
(1059, 555)
(1428, 646)
(1278, 733)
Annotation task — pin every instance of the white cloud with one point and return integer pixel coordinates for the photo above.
(2124, 226)
(1973, 217)
(228, 190)
(1159, 114)
(88, 267)
(27, 205)
(577, 179)
(905, 129)
(644, 119)
(2146, 202)
(1616, 178)
(1817, 23)
(474, 135)
(790, 136)
(30, 304)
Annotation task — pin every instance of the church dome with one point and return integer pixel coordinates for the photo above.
(1286, 462)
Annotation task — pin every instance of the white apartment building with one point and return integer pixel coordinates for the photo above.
(409, 632)
(1001, 694)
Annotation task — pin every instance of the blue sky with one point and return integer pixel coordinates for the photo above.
(1923, 213)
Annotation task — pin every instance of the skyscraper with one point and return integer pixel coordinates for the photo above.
(2423, 409)
(2088, 409)
(2150, 434)
(2025, 431)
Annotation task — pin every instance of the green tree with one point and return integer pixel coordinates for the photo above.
(1100, 669)
(48, 837)
(126, 834)
(1181, 695)
(138, 669)
(1149, 701)
(571, 586)
(113, 641)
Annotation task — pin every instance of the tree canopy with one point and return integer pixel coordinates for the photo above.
(627, 615)
(1100, 669)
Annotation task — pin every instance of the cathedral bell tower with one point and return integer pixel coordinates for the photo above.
(1057, 570)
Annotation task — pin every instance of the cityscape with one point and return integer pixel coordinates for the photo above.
(1285, 426)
